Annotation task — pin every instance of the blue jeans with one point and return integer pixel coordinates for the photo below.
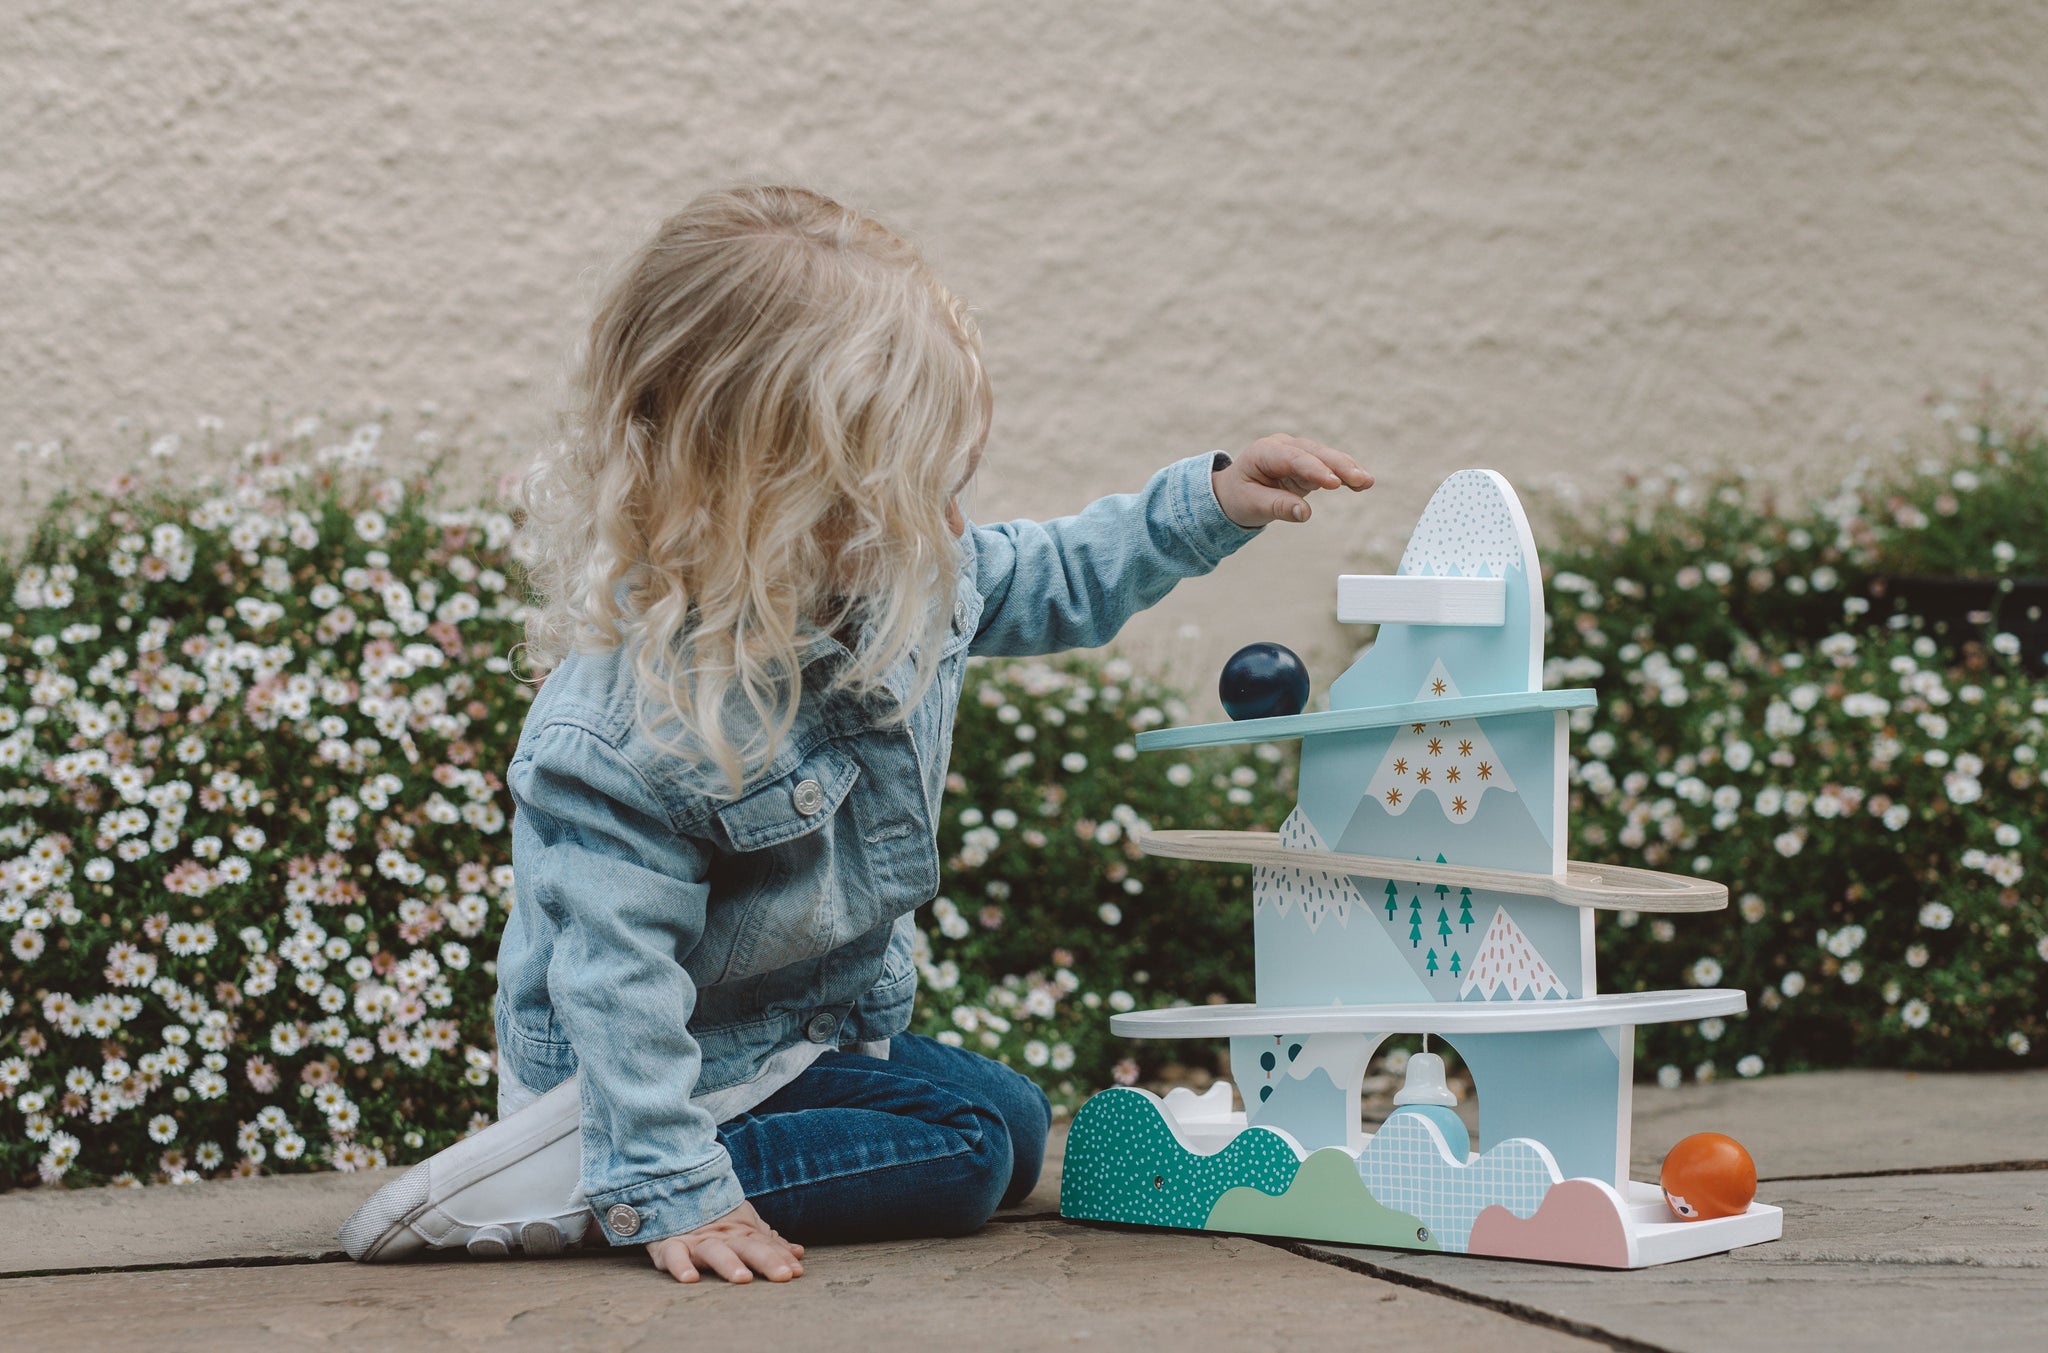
(927, 1143)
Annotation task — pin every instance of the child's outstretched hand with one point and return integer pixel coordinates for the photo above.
(735, 1247)
(1272, 478)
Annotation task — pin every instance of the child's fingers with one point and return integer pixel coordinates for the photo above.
(1277, 504)
(1354, 476)
(1326, 466)
(1291, 463)
(770, 1257)
(718, 1256)
(673, 1260)
(1305, 465)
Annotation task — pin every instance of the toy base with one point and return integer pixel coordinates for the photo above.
(1188, 1162)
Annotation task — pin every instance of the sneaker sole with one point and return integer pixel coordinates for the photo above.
(383, 1230)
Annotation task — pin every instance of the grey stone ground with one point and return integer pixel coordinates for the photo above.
(1916, 1218)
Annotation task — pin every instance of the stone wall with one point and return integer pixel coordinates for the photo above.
(1559, 237)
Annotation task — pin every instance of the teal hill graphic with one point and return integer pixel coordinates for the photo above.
(1124, 1163)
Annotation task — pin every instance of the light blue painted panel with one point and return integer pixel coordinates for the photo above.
(1353, 961)
(1562, 1088)
(1331, 781)
(1306, 1085)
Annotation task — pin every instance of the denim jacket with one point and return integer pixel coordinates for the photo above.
(668, 942)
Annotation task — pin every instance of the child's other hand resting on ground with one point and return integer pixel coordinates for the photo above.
(735, 1247)
(1272, 478)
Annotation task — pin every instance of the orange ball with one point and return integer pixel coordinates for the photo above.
(1708, 1175)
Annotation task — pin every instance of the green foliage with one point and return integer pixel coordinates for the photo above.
(1676, 562)
(1871, 797)
(255, 859)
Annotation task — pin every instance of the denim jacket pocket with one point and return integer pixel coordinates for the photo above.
(792, 806)
(792, 875)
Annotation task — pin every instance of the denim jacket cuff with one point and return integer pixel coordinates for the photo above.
(669, 1206)
(1195, 513)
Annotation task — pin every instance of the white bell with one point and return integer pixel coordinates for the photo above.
(1424, 1083)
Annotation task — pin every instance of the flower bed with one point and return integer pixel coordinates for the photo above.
(1870, 794)
(255, 849)
(253, 857)
(254, 865)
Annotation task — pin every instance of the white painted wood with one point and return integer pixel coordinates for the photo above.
(1606, 887)
(1449, 1018)
(1655, 1236)
(1284, 727)
(1213, 1105)
(1415, 599)
(1660, 1238)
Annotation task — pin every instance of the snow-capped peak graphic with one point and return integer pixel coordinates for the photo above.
(1507, 959)
(1472, 527)
(1450, 758)
(1316, 893)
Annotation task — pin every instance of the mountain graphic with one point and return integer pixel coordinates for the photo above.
(1450, 759)
(1507, 959)
(1314, 893)
(1500, 834)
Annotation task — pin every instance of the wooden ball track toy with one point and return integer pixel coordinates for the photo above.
(1419, 886)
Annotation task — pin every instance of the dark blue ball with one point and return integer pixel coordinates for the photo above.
(1263, 681)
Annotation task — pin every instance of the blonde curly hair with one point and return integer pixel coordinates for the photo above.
(775, 405)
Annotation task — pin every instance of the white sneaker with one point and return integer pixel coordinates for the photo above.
(517, 1185)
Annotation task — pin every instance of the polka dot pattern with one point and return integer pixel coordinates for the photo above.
(1472, 528)
(1124, 1164)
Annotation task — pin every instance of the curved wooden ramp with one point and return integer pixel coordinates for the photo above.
(1606, 887)
(1448, 1018)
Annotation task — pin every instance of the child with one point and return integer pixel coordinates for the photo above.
(760, 595)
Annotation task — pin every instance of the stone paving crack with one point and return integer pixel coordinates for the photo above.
(246, 1261)
(1987, 1167)
(1528, 1315)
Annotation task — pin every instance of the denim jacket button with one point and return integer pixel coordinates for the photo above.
(808, 797)
(623, 1219)
(821, 1028)
(960, 614)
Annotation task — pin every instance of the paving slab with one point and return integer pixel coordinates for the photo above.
(1885, 1260)
(1854, 1122)
(1019, 1285)
(1906, 1262)
(286, 1219)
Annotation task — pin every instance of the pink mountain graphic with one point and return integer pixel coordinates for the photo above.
(1507, 959)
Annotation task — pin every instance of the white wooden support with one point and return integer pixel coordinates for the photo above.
(1420, 599)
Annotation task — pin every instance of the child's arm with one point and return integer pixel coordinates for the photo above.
(1073, 582)
(626, 894)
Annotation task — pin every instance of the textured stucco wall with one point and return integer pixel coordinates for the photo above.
(1558, 237)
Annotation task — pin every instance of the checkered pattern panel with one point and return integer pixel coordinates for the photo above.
(1407, 1167)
